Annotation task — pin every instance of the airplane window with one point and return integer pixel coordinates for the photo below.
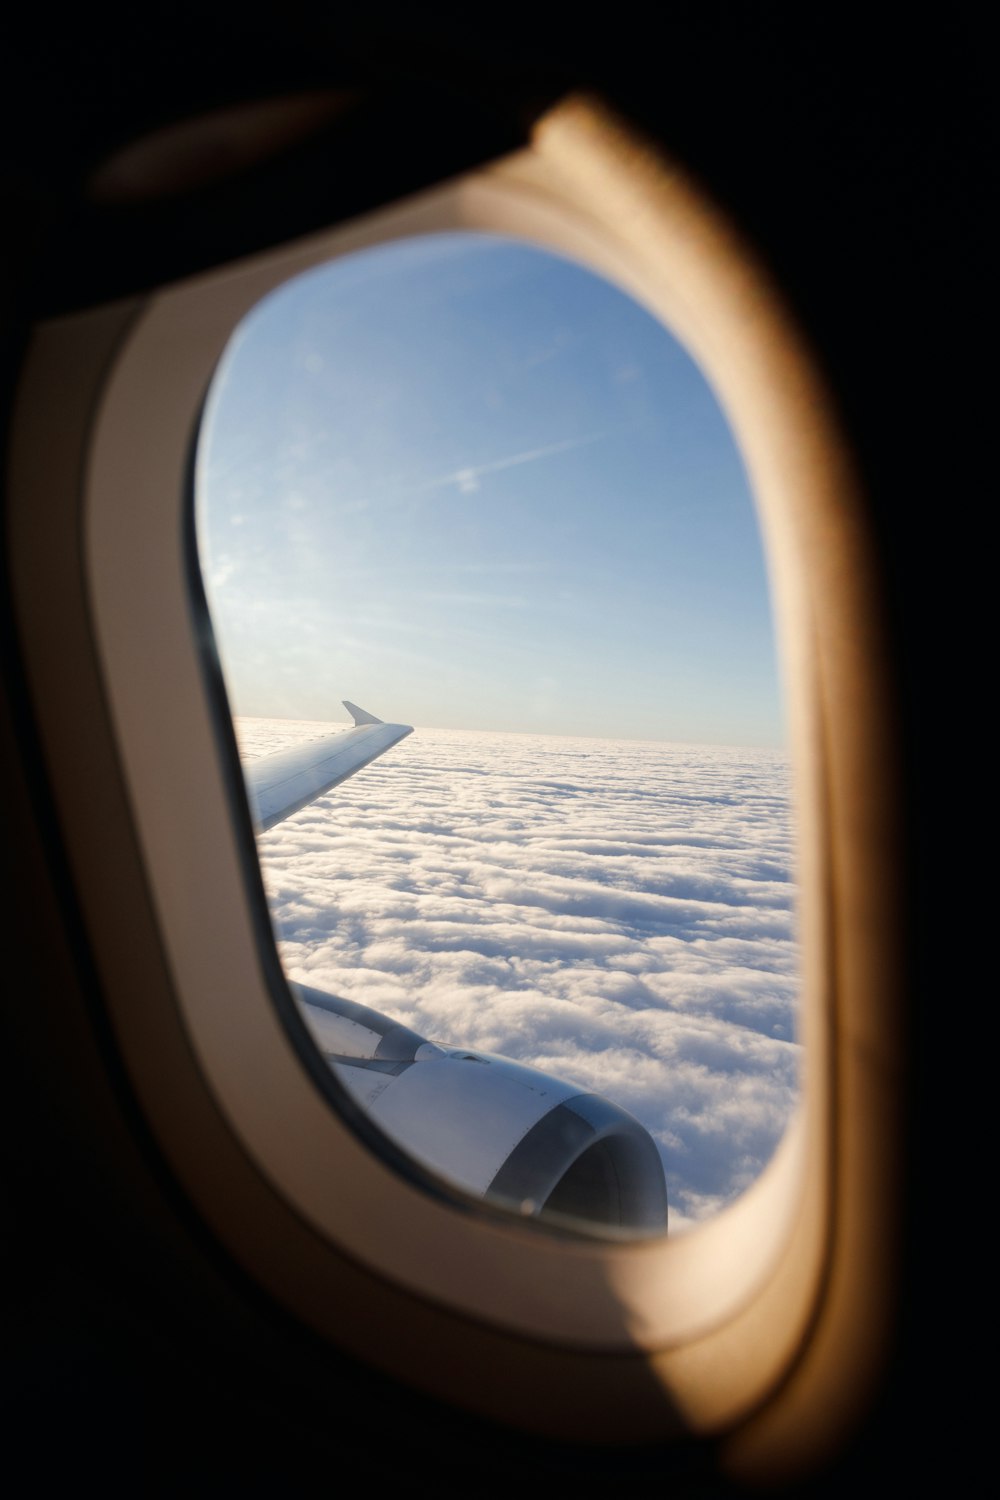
(547, 938)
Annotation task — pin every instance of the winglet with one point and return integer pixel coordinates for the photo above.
(359, 715)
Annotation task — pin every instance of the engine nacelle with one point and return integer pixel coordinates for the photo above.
(496, 1128)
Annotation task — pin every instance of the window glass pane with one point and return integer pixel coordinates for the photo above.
(477, 489)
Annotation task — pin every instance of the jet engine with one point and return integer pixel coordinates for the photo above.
(497, 1128)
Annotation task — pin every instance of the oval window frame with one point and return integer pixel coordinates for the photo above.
(777, 1264)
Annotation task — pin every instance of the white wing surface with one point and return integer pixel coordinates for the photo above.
(278, 785)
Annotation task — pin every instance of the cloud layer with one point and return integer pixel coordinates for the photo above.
(617, 913)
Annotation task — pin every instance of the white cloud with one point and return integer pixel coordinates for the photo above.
(619, 914)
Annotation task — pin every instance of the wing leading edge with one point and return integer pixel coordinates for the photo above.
(278, 785)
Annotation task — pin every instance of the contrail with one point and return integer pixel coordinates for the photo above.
(467, 477)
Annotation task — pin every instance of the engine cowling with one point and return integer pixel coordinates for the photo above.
(497, 1128)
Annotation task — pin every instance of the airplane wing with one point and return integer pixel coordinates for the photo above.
(501, 1130)
(278, 785)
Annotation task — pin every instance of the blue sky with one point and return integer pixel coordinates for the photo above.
(468, 484)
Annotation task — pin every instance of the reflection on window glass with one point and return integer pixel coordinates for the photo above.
(476, 489)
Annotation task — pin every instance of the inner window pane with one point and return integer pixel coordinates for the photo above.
(477, 489)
